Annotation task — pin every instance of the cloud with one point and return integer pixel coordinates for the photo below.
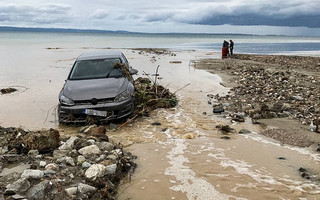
(273, 12)
(50, 13)
(99, 14)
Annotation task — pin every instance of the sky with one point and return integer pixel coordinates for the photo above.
(278, 17)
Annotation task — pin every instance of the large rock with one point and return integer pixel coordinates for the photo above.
(38, 191)
(69, 144)
(86, 189)
(32, 174)
(96, 171)
(89, 151)
(19, 186)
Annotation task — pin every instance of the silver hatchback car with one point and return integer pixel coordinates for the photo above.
(97, 86)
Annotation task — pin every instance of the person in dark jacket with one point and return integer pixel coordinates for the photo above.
(231, 47)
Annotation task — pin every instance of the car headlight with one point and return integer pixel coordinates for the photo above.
(66, 101)
(123, 96)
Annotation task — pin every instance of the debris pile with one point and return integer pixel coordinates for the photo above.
(288, 87)
(150, 96)
(82, 166)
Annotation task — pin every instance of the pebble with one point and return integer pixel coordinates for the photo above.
(89, 151)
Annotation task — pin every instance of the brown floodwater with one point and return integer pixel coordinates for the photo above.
(169, 166)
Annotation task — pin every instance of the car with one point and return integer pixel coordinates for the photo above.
(99, 84)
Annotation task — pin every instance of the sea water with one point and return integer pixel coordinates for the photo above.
(253, 44)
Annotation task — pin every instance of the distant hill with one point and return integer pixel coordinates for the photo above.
(23, 29)
(65, 30)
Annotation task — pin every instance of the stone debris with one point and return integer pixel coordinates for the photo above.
(265, 87)
(79, 167)
(8, 90)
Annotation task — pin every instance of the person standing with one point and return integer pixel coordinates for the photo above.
(231, 47)
(225, 49)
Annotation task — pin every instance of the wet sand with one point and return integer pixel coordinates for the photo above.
(170, 166)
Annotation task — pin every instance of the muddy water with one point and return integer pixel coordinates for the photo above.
(169, 166)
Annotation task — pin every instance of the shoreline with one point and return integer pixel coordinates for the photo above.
(286, 125)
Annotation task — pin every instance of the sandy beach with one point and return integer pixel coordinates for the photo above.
(182, 152)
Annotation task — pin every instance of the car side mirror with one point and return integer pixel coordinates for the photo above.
(133, 71)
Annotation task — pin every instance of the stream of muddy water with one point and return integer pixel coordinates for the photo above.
(170, 166)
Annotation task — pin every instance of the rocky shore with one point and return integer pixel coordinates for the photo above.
(271, 87)
(45, 165)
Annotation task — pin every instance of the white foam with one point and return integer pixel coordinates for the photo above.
(303, 151)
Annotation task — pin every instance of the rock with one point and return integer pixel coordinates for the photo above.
(112, 157)
(38, 191)
(156, 124)
(189, 136)
(113, 126)
(83, 142)
(244, 131)
(52, 166)
(86, 165)
(106, 146)
(225, 128)
(8, 90)
(218, 108)
(42, 164)
(73, 153)
(20, 186)
(81, 159)
(296, 98)
(238, 118)
(282, 158)
(225, 137)
(17, 196)
(69, 144)
(60, 153)
(33, 153)
(66, 160)
(86, 189)
(32, 174)
(49, 173)
(111, 169)
(95, 171)
(318, 148)
(71, 191)
(89, 151)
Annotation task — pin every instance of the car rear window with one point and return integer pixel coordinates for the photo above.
(93, 69)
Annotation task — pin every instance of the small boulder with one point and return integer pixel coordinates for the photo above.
(69, 144)
(106, 146)
(96, 171)
(86, 189)
(71, 191)
(19, 186)
(38, 191)
(89, 151)
(52, 166)
(33, 153)
(66, 160)
(32, 174)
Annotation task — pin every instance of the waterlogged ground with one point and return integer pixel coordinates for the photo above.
(184, 157)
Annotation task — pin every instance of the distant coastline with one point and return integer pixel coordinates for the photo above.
(66, 30)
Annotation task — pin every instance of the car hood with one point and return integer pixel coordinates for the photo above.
(94, 88)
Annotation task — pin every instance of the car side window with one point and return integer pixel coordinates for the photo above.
(125, 60)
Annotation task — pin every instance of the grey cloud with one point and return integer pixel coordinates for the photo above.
(35, 14)
(273, 13)
(99, 14)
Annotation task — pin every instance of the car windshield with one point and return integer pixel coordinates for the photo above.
(94, 69)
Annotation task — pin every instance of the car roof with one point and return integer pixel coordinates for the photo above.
(93, 55)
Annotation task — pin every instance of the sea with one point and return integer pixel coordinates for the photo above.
(252, 44)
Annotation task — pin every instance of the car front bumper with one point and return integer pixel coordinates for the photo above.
(115, 110)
